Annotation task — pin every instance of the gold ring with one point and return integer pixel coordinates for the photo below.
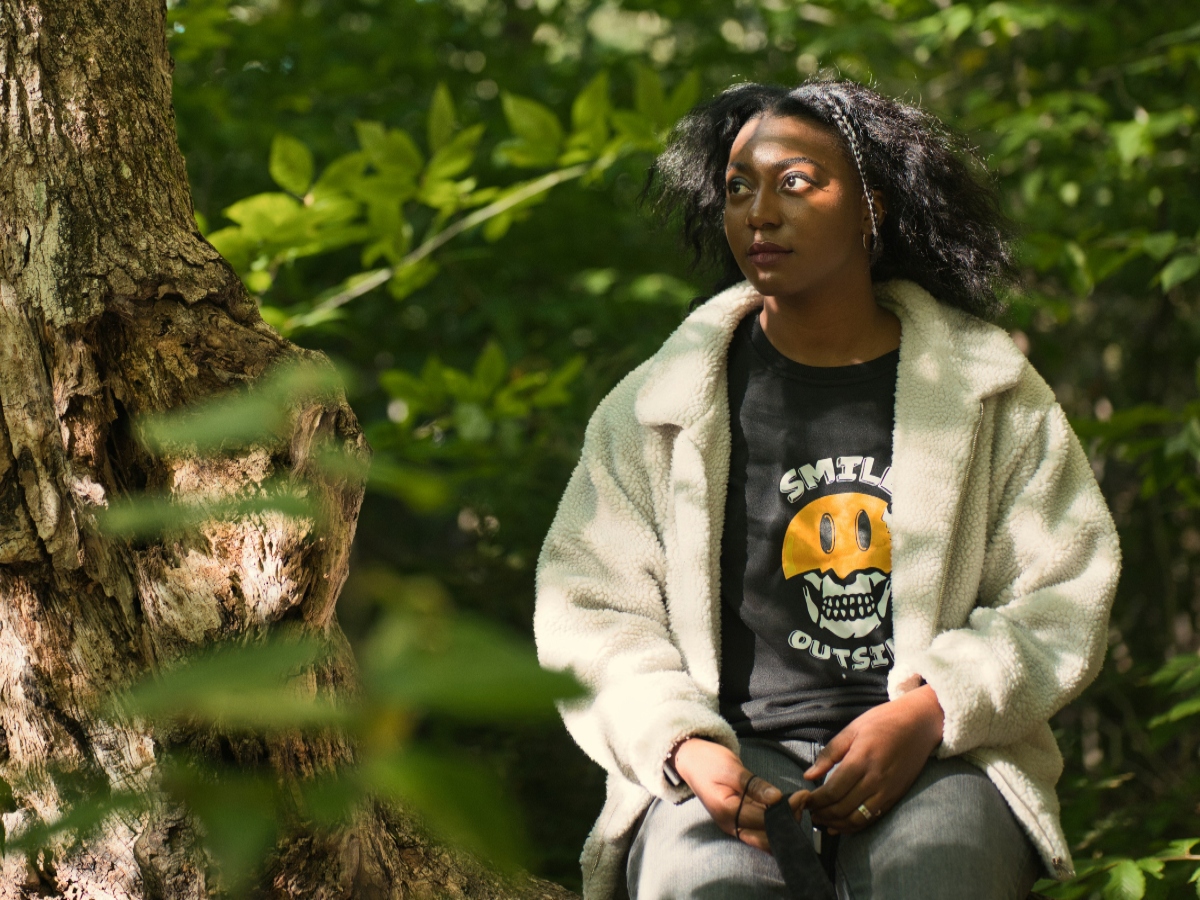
(866, 813)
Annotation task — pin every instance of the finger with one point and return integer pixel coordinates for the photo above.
(798, 801)
(847, 809)
(848, 818)
(837, 786)
(753, 817)
(831, 754)
(762, 791)
(756, 838)
(758, 789)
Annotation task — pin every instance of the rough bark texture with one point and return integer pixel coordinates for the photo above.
(112, 306)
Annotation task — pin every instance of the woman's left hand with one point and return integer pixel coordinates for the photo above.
(881, 753)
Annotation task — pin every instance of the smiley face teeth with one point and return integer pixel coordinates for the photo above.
(852, 608)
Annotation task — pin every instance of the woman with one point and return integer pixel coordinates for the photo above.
(835, 541)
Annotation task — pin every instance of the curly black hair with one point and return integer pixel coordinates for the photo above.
(944, 228)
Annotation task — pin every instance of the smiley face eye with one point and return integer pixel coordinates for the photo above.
(827, 533)
(862, 529)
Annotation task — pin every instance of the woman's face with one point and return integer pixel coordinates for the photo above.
(794, 208)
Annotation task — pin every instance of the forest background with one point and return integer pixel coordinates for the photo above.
(441, 196)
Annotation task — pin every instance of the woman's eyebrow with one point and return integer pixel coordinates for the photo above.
(781, 164)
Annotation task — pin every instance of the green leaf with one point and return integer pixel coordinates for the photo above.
(1175, 713)
(421, 489)
(538, 134)
(405, 386)
(589, 123)
(1180, 847)
(259, 282)
(490, 368)
(1151, 866)
(240, 418)
(442, 120)
(1080, 274)
(149, 515)
(239, 813)
(1132, 140)
(497, 226)
(956, 20)
(263, 214)
(390, 151)
(1126, 881)
(1184, 441)
(1179, 270)
(82, 818)
(455, 157)
(463, 667)
(460, 385)
(684, 97)
(234, 686)
(342, 175)
(238, 247)
(291, 164)
(661, 288)
(555, 392)
(412, 277)
(7, 804)
(1159, 244)
(472, 422)
(649, 98)
(455, 797)
(636, 131)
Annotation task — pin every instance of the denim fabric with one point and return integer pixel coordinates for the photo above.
(951, 836)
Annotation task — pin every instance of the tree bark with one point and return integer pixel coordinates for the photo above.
(112, 306)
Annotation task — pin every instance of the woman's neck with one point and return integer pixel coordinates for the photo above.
(830, 328)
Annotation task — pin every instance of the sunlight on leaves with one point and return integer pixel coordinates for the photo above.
(290, 165)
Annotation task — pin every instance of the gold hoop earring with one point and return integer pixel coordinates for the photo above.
(868, 247)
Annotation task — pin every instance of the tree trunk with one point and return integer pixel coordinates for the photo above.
(112, 306)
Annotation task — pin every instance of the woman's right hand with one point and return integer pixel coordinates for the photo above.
(717, 777)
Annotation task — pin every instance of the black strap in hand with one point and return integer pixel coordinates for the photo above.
(798, 860)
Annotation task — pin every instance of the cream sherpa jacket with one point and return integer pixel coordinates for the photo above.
(1004, 563)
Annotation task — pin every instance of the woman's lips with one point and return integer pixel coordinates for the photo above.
(764, 253)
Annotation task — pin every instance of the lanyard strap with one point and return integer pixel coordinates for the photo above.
(803, 870)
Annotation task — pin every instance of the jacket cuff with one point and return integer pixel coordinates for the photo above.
(966, 706)
(655, 750)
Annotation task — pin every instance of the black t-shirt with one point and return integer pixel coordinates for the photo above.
(806, 553)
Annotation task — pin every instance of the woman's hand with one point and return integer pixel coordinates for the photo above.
(718, 778)
(881, 753)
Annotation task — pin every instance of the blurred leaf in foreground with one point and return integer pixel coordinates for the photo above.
(257, 414)
(238, 686)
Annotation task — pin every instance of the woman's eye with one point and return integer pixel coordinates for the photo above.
(794, 180)
(736, 187)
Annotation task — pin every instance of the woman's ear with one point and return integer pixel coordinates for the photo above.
(880, 210)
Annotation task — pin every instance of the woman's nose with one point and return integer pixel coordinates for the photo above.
(762, 212)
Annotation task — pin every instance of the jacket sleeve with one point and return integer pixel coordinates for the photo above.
(1037, 636)
(601, 612)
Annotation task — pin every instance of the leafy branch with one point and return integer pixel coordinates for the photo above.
(369, 281)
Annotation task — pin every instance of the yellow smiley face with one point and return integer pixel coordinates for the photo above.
(841, 534)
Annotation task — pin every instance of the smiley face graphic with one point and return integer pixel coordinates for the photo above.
(841, 548)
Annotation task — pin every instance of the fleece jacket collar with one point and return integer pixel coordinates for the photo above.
(681, 381)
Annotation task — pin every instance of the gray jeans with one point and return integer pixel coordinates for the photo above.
(951, 836)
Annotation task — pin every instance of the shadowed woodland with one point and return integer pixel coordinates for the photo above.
(440, 196)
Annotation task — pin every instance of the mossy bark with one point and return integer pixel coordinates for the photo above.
(113, 306)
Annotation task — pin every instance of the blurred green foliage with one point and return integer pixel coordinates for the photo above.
(441, 195)
(421, 661)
